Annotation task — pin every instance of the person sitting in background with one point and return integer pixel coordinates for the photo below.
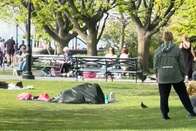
(111, 53)
(191, 88)
(67, 55)
(66, 66)
(22, 44)
(124, 54)
(21, 60)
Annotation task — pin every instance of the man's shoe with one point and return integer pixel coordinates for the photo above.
(18, 72)
(166, 117)
(191, 115)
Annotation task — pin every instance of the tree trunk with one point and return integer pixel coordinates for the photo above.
(92, 47)
(61, 44)
(143, 47)
(92, 43)
(122, 36)
(60, 37)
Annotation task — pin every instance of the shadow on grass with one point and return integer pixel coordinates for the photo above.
(91, 117)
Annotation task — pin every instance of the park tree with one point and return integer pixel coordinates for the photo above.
(46, 16)
(149, 17)
(184, 22)
(88, 18)
(118, 35)
(52, 19)
(124, 22)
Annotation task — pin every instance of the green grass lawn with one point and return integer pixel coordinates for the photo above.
(125, 114)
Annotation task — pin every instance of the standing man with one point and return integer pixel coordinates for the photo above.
(170, 71)
(10, 50)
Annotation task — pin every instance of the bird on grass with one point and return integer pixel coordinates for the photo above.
(143, 106)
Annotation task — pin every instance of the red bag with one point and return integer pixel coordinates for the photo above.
(89, 74)
(24, 96)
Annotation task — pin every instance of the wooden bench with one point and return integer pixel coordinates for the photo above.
(108, 67)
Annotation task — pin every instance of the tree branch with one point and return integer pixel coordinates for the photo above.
(171, 5)
(138, 3)
(83, 5)
(59, 20)
(134, 14)
(74, 8)
(145, 4)
(50, 31)
(159, 22)
(76, 26)
(149, 14)
(103, 27)
(163, 22)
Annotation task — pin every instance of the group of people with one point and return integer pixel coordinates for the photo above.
(12, 54)
(8, 49)
(172, 65)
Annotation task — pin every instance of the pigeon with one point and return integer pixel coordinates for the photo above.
(143, 106)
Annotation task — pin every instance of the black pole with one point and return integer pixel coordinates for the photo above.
(17, 35)
(28, 74)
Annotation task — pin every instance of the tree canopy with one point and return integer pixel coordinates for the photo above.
(184, 22)
(86, 17)
(65, 19)
(149, 17)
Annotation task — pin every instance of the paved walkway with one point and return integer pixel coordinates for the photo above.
(38, 77)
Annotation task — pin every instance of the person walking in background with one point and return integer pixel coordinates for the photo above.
(10, 50)
(188, 54)
(2, 52)
(170, 71)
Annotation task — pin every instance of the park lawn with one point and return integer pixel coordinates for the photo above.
(124, 114)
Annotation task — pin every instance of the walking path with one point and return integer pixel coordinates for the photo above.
(9, 76)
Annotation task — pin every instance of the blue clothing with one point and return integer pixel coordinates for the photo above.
(22, 66)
